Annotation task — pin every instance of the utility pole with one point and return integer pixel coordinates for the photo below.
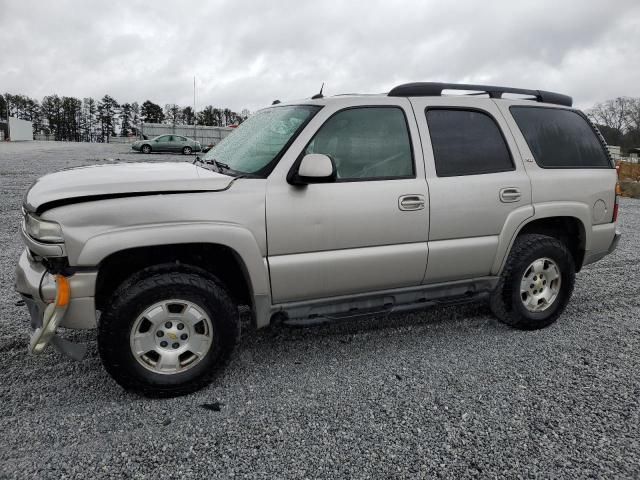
(195, 117)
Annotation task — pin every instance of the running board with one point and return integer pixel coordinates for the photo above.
(384, 302)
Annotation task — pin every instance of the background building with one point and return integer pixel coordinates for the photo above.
(16, 130)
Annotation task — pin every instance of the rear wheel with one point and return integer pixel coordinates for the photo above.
(165, 333)
(146, 149)
(187, 151)
(536, 283)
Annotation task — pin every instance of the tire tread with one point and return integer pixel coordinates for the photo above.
(501, 300)
(174, 279)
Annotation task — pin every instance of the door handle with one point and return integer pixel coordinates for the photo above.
(510, 194)
(411, 202)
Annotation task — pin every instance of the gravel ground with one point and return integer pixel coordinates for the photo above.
(444, 393)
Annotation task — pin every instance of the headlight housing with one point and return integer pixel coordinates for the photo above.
(43, 230)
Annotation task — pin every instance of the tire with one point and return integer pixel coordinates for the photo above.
(146, 149)
(549, 269)
(198, 292)
(187, 151)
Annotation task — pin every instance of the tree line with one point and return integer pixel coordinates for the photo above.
(90, 120)
(619, 121)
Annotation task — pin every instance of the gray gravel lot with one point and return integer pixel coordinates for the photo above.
(444, 393)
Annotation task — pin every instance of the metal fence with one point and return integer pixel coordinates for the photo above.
(122, 139)
(202, 134)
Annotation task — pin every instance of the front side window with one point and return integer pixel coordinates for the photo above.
(466, 142)
(366, 143)
(164, 138)
(560, 138)
(255, 145)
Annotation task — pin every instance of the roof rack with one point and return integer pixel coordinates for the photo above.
(434, 89)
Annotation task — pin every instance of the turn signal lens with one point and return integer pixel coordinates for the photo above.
(63, 291)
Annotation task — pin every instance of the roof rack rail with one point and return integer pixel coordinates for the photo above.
(434, 89)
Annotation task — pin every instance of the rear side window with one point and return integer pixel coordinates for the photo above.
(466, 142)
(560, 138)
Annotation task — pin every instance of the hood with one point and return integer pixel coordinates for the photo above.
(121, 180)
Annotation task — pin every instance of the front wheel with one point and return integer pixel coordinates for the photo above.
(166, 333)
(146, 149)
(187, 151)
(536, 283)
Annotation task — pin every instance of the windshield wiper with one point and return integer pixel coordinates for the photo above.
(222, 167)
(219, 165)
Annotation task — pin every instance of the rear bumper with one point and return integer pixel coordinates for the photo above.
(604, 240)
(614, 243)
(38, 288)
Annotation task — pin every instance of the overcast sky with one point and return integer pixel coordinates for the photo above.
(247, 53)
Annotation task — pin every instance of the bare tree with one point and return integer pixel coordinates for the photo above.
(633, 114)
(172, 113)
(135, 118)
(613, 114)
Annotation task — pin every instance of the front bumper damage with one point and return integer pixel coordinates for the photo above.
(56, 301)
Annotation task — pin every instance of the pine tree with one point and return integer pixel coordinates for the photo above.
(151, 112)
(107, 111)
(187, 115)
(125, 119)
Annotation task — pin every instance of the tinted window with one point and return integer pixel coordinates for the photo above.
(560, 138)
(466, 142)
(366, 143)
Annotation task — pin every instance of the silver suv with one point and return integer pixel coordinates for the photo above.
(320, 209)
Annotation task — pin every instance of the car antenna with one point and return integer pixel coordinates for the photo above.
(318, 95)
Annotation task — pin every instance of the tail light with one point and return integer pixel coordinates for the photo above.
(618, 193)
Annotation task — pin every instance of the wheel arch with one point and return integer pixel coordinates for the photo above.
(570, 225)
(230, 253)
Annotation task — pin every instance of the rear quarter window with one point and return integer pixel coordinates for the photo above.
(560, 138)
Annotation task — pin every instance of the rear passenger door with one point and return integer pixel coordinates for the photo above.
(179, 143)
(477, 185)
(174, 144)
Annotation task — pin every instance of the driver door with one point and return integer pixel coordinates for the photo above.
(161, 144)
(366, 231)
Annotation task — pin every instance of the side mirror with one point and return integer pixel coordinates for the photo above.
(314, 168)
